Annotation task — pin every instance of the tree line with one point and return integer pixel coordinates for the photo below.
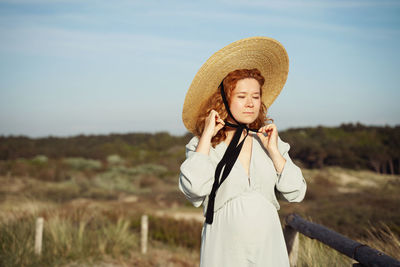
(354, 146)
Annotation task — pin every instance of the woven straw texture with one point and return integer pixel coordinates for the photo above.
(263, 53)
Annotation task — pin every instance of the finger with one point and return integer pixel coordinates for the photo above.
(219, 119)
(269, 128)
(219, 126)
(262, 129)
(262, 136)
(266, 129)
(210, 115)
(273, 127)
(214, 115)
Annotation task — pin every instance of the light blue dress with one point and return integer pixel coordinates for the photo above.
(246, 230)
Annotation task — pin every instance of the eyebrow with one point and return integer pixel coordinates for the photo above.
(244, 92)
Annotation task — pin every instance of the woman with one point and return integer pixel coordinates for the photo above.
(236, 163)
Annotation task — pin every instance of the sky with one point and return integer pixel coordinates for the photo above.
(99, 67)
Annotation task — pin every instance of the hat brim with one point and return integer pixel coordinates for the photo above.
(263, 53)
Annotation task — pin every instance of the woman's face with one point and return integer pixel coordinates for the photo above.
(245, 100)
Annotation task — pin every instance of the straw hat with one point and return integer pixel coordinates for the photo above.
(263, 53)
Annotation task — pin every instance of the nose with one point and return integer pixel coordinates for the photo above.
(249, 102)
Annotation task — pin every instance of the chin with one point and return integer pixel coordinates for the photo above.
(247, 121)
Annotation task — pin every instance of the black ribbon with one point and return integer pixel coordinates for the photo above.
(229, 158)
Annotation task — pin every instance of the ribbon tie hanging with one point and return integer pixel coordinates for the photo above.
(228, 159)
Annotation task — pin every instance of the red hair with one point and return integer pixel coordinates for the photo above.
(215, 102)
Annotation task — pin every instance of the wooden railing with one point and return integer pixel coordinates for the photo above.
(363, 254)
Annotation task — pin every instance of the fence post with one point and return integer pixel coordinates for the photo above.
(292, 244)
(38, 235)
(144, 233)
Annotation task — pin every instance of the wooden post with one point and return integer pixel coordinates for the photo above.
(144, 232)
(38, 236)
(292, 244)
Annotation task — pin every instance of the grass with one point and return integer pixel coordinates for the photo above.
(176, 232)
(349, 201)
(382, 238)
(315, 253)
(81, 237)
(92, 213)
(67, 237)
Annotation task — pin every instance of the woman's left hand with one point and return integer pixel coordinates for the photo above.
(270, 141)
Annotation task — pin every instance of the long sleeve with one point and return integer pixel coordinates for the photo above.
(197, 174)
(290, 183)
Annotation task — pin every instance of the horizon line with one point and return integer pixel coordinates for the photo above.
(187, 132)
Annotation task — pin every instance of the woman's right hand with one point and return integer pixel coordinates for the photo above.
(213, 124)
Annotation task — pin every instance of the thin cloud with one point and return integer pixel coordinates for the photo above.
(56, 40)
(284, 21)
(284, 4)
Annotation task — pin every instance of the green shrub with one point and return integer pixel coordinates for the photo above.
(40, 159)
(82, 163)
(151, 169)
(115, 160)
(115, 179)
